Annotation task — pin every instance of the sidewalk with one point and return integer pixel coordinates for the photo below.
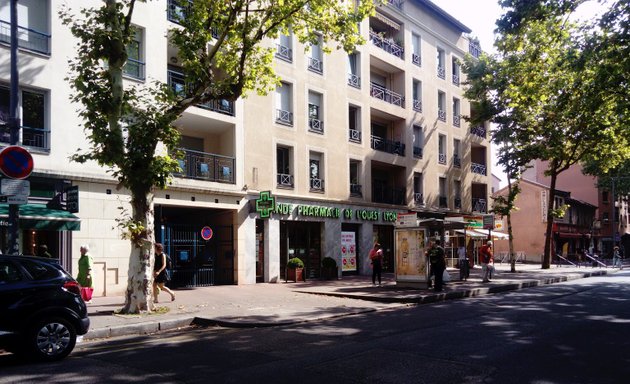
(263, 305)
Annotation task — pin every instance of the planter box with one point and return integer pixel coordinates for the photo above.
(295, 274)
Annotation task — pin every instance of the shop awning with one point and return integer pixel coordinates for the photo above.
(387, 21)
(495, 234)
(38, 216)
(470, 233)
(573, 235)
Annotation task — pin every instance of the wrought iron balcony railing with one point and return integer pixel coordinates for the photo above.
(284, 117)
(457, 161)
(354, 135)
(386, 95)
(474, 49)
(416, 59)
(28, 38)
(386, 44)
(478, 131)
(458, 203)
(442, 158)
(315, 125)
(389, 146)
(206, 166)
(418, 198)
(442, 115)
(417, 105)
(457, 119)
(441, 73)
(456, 79)
(285, 180)
(354, 80)
(479, 205)
(176, 81)
(356, 190)
(443, 201)
(315, 65)
(478, 168)
(33, 138)
(417, 152)
(317, 184)
(284, 53)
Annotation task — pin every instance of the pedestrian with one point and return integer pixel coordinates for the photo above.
(43, 251)
(464, 271)
(437, 261)
(617, 258)
(376, 258)
(486, 258)
(160, 273)
(84, 278)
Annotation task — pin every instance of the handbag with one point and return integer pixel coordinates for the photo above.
(86, 293)
(446, 277)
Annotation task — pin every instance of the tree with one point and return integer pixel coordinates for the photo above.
(221, 47)
(541, 90)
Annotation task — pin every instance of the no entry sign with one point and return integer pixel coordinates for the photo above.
(16, 162)
(206, 233)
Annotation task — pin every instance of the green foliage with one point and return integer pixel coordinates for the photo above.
(329, 262)
(295, 262)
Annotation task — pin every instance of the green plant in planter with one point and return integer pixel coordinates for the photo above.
(329, 262)
(295, 262)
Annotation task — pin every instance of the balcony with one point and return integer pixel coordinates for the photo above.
(356, 190)
(478, 131)
(389, 146)
(28, 38)
(457, 119)
(441, 73)
(388, 195)
(443, 201)
(477, 168)
(285, 180)
(206, 166)
(315, 125)
(479, 205)
(176, 81)
(386, 44)
(284, 53)
(442, 158)
(416, 59)
(386, 95)
(474, 49)
(354, 135)
(284, 117)
(417, 105)
(458, 203)
(317, 185)
(417, 152)
(37, 139)
(418, 198)
(315, 65)
(354, 80)
(457, 161)
(442, 115)
(455, 79)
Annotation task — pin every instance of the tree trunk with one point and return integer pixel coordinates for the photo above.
(546, 264)
(509, 225)
(139, 294)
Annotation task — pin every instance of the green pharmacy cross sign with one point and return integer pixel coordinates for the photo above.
(265, 204)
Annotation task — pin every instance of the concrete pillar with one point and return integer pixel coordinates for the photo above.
(272, 250)
(331, 241)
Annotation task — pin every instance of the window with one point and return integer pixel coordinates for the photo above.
(441, 64)
(355, 178)
(354, 124)
(135, 57)
(284, 167)
(284, 102)
(442, 149)
(416, 57)
(457, 191)
(33, 32)
(315, 118)
(455, 70)
(32, 109)
(316, 172)
(315, 58)
(416, 90)
(441, 106)
(418, 141)
(9, 273)
(418, 189)
(354, 72)
(284, 48)
(457, 160)
(443, 197)
(456, 112)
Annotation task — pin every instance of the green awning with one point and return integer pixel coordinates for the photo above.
(38, 216)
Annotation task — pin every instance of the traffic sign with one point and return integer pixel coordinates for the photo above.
(16, 162)
(206, 233)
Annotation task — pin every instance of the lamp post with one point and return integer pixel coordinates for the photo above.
(14, 127)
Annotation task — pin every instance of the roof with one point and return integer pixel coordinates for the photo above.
(444, 15)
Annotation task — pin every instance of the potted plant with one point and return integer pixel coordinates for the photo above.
(329, 268)
(295, 269)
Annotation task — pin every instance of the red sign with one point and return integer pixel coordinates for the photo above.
(16, 162)
(206, 233)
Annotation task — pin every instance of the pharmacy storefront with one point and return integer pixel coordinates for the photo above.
(287, 228)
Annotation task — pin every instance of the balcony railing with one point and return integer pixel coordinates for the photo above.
(416, 59)
(443, 201)
(206, 166)
(284, 117)
(386, 95)
(457, 203)
(176, 81)
(457, 161)
(354, 80)
(315, 65)
(284, 53)
(442, 158)
(456, 79)
(474, 49)
(389, 146)
(34, 138)
(418, 198)
(478, 168)
(417, 152)
(315, 125)
(356, 190)
(396, 3)
(317, 184)
(479, 205)
(134, 68)
(442, 115)
(386, 44)
(285, 180)
(28, 38)
(354, 135)
(417, 105)
(478, 131)
(441, 72)
(457, 119)
(388, 195)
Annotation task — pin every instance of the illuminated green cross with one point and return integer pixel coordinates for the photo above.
(265, 204)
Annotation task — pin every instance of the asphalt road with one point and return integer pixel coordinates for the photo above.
(574, 332)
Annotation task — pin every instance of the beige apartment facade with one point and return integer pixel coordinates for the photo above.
(342, 147)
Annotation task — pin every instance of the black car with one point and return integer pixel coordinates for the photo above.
(41, 309)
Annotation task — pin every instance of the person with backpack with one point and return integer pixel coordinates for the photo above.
(160, 273)
(486, 258)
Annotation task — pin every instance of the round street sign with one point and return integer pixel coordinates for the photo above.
(16, 162)
(206, 233)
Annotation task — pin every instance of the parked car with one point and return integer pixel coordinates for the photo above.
(41, 309)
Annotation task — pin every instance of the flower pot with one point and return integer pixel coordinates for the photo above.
(295, 274)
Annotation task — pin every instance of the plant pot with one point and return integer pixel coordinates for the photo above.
(295, 274)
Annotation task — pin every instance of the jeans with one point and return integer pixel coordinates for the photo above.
(376, 271)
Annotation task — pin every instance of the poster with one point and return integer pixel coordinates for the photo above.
(411, 264)
(348, 252)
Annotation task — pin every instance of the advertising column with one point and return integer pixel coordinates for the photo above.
(348, 252)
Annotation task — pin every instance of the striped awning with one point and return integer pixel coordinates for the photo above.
(387, 21)
(38, 216)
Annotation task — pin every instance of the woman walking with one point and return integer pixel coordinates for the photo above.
(160, 274)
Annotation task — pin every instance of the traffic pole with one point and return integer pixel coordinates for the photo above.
(14, 126)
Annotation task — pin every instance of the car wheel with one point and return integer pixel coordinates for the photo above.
(51, 339)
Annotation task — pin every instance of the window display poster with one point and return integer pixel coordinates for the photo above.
(348, 252)
(411, 263)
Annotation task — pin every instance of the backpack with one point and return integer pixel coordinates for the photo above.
(169, 263)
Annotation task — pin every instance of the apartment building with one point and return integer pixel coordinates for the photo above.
(320, 167)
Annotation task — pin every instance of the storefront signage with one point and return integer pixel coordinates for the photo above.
(265, 204)
(72, 199)
(473, 222)
(348, 252)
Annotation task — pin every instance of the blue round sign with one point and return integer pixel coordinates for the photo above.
(16, 162)
(206, 233)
